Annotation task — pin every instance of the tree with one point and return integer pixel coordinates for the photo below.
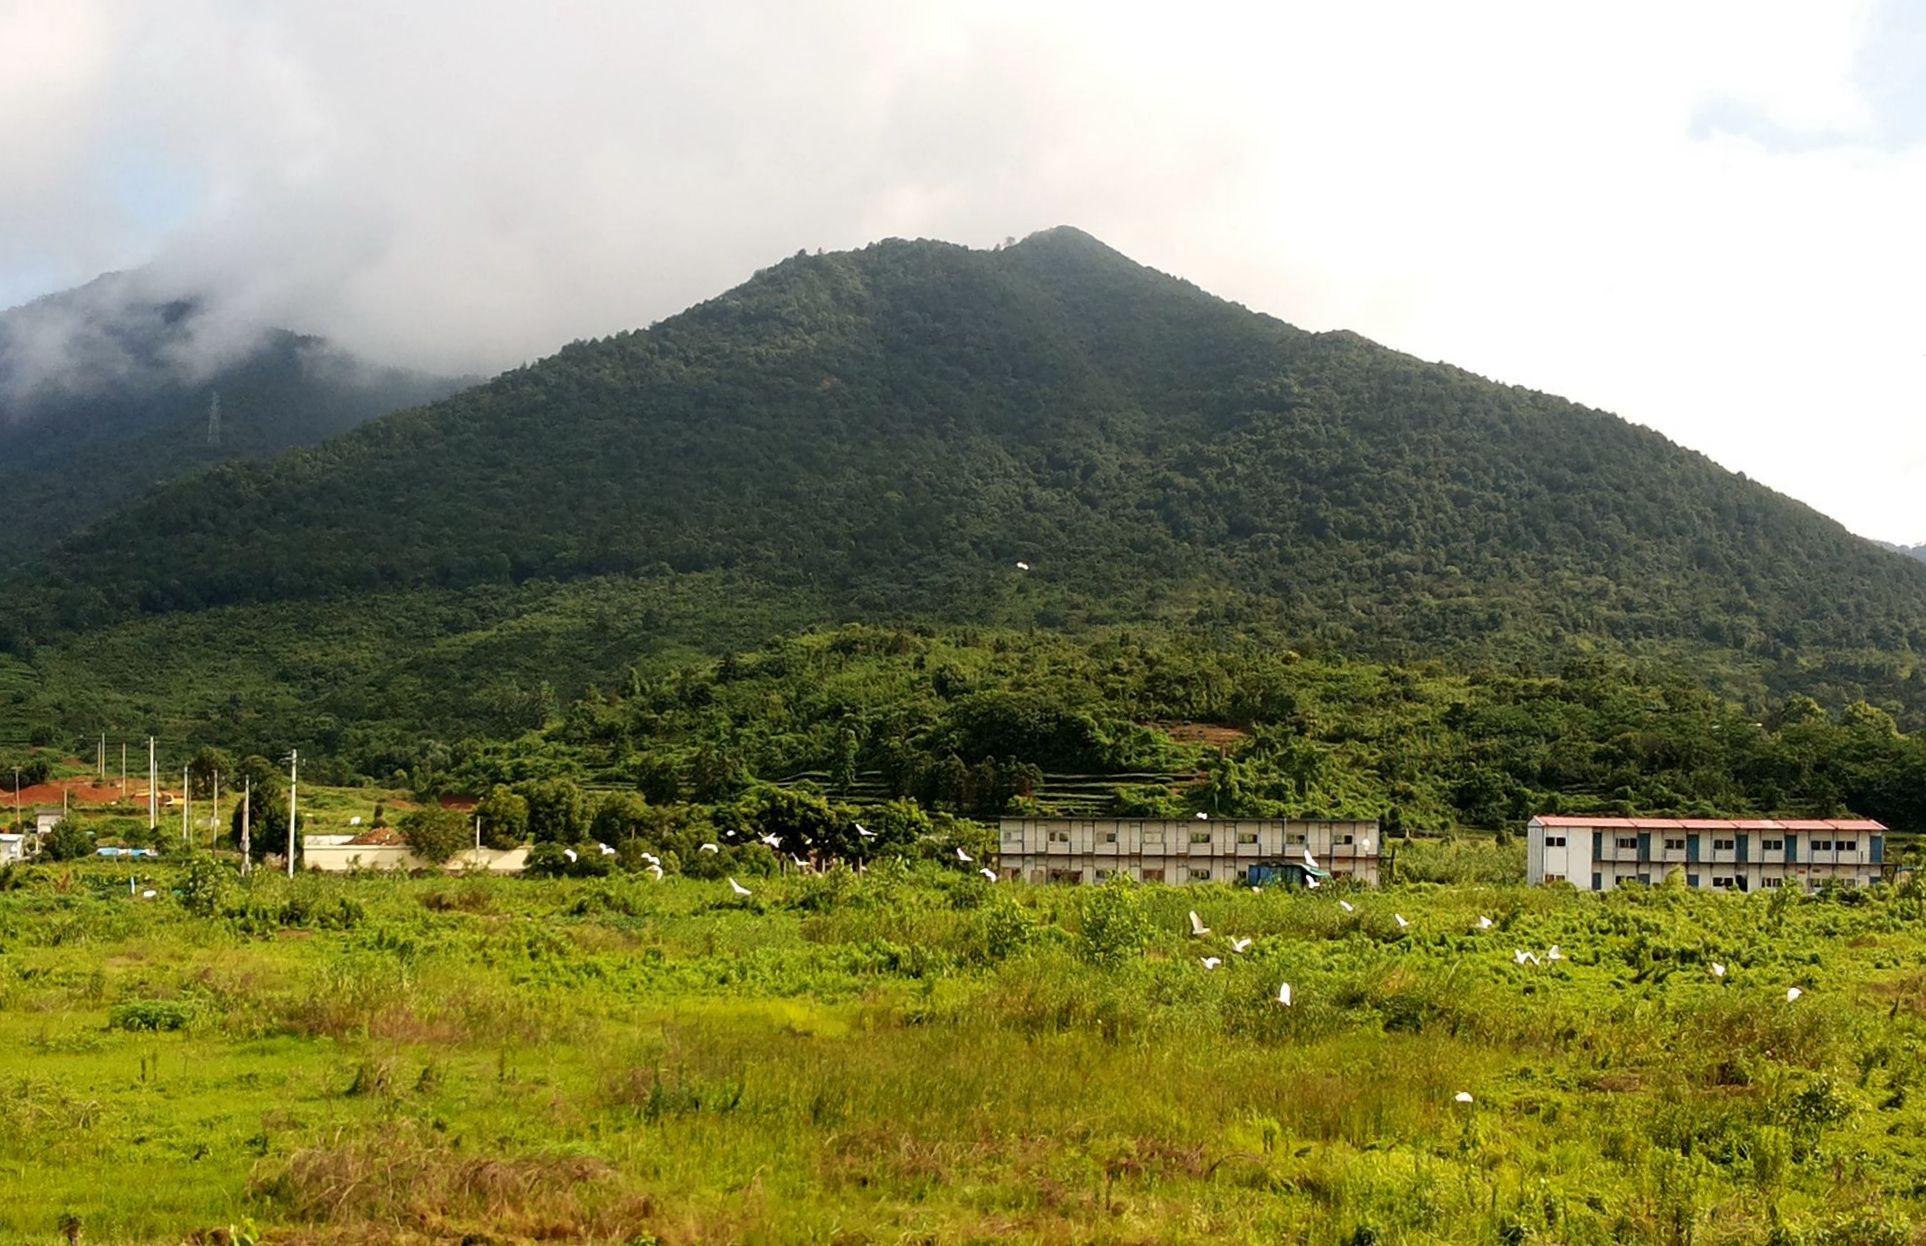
(267, 822)
(656, 778)
(207, 763)
(557, 813)
(434, 834)
(619, 816)
(67, 842)
(504, 819)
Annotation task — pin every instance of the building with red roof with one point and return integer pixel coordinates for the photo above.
(1714, 854)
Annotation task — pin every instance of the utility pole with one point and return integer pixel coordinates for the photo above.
(153, 788)
(186, 801)
(21, 826)
(214, 840)
(294, 764)
(100, 760)
(247, 809)
(123, 770)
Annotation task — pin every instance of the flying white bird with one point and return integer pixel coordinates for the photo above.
(1197, 927)
(1240, 945)
(1519, 956)
(1399, 918)
(570, 854)
(708, 848)
(1554, 953)
(1792, 993)
(1284, 994)
(1310, 882)
(1202, 816)
(1210, 962)
(988, 873)
(606, 850)
(772, 841)
(738, 888)
(355, 820)
(1023, 566)
(964, 857)
(651, 858)
(148, 894)
(864, 831)
(1309, 860)
(800, 863)
(1346, 906)
(1718, 970)
(1484, 923)
(1365, 844)
(657, 871)
(1463, 1096)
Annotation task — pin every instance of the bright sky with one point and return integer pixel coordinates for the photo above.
(1709, 218)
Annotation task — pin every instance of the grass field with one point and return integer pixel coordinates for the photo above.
(922, 1057)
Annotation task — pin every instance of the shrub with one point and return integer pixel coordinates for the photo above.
(435, 834)
(150, 1014)
(67, 842)
(1114, 928)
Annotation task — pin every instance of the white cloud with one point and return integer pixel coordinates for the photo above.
(1676, 212)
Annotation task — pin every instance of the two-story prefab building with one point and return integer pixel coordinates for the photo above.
(1713, 853)
(1197, 850)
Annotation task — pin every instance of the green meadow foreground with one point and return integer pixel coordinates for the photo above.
(917, 1056)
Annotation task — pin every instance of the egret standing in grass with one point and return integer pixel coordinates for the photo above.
(1284, 994)
(1718, 970)
(1793, 993)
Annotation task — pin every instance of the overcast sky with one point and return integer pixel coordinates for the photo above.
(1709, 218)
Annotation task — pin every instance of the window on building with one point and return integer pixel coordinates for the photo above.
(1773, 845)
(1721, 882)
(1102, 875)
(1110, 837)
(1344, 839)
(1154, 876)
(1822, 845)
(1200, 837)
(1627, 841)
(1722, 845)
(1554, 878)
(1059, 837)
(1154, 837)
(1772, 882)
(1293, 841)
(1554, 841)
(1198, 873)
(1846, 845)
(1675, 844)
(1066, 876)
(1247, 837)
(1012, 835)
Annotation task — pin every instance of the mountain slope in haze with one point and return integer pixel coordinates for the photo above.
(108, 389)
(885, 433)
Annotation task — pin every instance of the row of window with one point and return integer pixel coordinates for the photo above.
(1721, 845)
(1157, 837)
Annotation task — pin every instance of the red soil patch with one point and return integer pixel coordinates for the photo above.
(86, 792)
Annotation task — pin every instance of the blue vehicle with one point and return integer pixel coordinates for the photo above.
(1283, 874)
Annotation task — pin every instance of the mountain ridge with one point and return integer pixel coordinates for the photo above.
(885, 433)
(107, 388)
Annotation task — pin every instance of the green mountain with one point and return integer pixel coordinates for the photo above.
(108, 389)
(885, 435)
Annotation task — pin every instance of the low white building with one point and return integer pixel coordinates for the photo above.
(1713, 854)
(12, 848)
(383, 850)
(1188, 850)
(46, 818)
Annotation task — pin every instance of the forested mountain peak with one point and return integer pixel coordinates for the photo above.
(120, 383)
(888, 432)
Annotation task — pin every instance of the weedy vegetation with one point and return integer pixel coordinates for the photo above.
(918, 1055)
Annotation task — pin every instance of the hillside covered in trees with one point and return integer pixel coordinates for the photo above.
(1046, 437)
(102, 395)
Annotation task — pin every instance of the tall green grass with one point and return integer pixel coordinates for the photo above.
(923, 1056)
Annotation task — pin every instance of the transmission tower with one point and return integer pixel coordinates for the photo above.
(214, 418)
